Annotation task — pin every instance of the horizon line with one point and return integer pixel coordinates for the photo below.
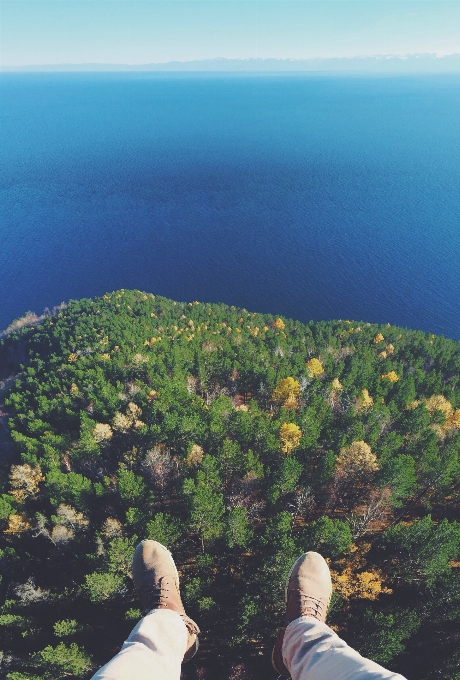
(376, 59)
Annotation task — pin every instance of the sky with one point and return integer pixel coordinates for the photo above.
(34, 32)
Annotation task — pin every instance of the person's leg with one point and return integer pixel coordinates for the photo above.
(306, 648)
(166, 637)
(312, 651)
(153, 651)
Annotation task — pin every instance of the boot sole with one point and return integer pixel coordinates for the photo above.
(189, 654)
(285, 600)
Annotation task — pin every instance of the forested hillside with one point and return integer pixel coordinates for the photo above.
(239, 440)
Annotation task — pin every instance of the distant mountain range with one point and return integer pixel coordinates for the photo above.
(388, 63)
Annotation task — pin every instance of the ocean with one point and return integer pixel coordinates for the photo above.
(315, 197)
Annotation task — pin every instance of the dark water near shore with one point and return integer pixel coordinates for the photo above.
(314, 197)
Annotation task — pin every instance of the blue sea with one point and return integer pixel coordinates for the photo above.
(315, 197)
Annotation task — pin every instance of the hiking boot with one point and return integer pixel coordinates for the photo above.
(157, 583)
(308, 592)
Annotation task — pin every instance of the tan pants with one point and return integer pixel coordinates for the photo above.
(311, 651)
(153, 651)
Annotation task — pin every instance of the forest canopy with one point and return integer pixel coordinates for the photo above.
(239, 440)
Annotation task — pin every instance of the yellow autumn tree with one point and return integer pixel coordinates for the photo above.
(439, 430)
(122, 422)
(24, 481)
(287, 391)
(354, 580)
(290, 435)
(439, 403)
(363, 400)
(139, 359)
(413, 404)
(194, 456)
(61, 534)
(314, 368)
(102, 432)
(357, 460)
(334, 394)
(453, 421)
(67, 515)
(378, 338)
(336, 385)
(391, 376)
(17, 524)
(366, 585)
(112, 528)
(279, 323)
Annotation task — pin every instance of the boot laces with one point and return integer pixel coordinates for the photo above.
(154, 595)
(191, 625)
(312, 605)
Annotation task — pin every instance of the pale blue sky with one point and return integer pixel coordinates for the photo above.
(144, 31)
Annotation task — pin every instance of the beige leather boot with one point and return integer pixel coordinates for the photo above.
(157, 583)
(308, 593)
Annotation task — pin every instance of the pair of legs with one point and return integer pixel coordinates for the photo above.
(306, 648)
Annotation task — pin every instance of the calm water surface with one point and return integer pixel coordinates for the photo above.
(314, 197)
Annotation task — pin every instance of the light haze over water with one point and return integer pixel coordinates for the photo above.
(312, 197)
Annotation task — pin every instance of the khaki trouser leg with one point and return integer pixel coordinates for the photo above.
(153, 651)
(312, 651)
